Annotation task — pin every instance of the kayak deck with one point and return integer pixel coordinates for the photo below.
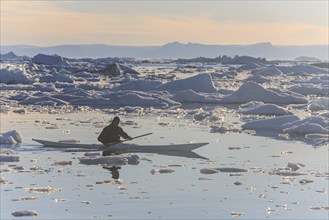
(123, 146)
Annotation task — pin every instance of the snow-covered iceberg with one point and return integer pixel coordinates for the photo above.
(251, 91)
(259, 108)
(290, 125)
(308, 125)
(194, 97)
(11, 137)
(269, 124)
(199, 83)
(140, 85)
(50, 60)
(140, 98)
(310, 89)
(15, 75)
(319, 105)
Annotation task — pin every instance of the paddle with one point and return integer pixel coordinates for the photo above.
(137, 137)
(108, 145)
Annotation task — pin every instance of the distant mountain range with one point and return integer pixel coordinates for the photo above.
(174, 50)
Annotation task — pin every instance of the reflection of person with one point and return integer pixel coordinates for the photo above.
(112, 133)
(114, 171)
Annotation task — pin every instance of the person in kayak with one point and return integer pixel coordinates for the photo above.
(112, 133)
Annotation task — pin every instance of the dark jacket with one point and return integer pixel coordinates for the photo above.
(112, 133)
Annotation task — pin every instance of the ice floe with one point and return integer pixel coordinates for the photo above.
(162, 170)
(140, 85)
(259, 108)
(11, 137)
(310, 89)
(191, 96)
(269, 124)
(319, 105)
(9, 158)
(295, 166)
(53, 60)
(306, 126)
(292, 125)
(46, 189)
(252, 91)
(24, 213)
(199, 83)
(15, 75)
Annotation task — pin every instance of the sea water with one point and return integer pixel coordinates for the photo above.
(76, 191)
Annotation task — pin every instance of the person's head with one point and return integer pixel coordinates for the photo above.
(116, 121)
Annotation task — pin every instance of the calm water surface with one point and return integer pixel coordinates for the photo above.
(135, 192)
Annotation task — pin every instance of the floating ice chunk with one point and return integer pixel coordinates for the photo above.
(163, 170)
(235, 214)
(7, 152)
(319, 105)
(45, 100)
(15, 75)
(310, 89)
(56, 78)
(249, 66)
(28, 198)
(92, 154)
(301, 68)
(46, 189)
(191, 96)
(11, 137)
(208, 171)
(232, 170)
(313, 120)
(133, 159)
(140, 98)
(258, 108)
(7, 140)
(295, 166)
(308, 128)
(199, 83)
(305, 181)
(251, 91)
(62, 163)
(139, 85)
(287, 173)
(50, 60)
(3, 181)
(267, 71)
(317, 136)
(24, 213)
(270, 124)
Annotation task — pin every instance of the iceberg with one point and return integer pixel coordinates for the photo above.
(308, 125)
(141, 99)
(259, 108)
(199, 83)
(269, 124)
(251, 91)
(194, 97)
(11, 137)
(140, 85)
(319, 105)
(50, 60)
(15, 75)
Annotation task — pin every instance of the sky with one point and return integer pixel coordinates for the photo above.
(144, 23)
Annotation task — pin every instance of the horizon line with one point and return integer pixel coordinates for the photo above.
(161, 45)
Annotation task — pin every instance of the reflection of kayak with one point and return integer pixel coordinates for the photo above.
(123, 146)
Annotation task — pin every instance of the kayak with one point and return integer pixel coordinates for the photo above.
(122, 146)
